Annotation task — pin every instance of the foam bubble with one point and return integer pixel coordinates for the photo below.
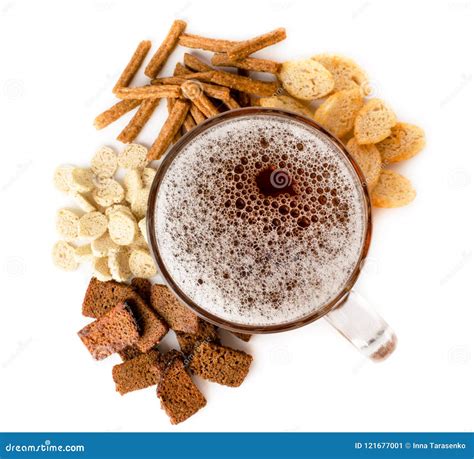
(260, 221)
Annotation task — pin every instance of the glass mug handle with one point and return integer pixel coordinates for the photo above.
(363, 327)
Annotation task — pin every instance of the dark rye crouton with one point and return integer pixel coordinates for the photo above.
(206, 332)
(102, 296)
(111, 333)
(129, 353)
(138, 373)
(220, 364)
(143, 288)
(242, 336)
(178, 316)
(179, 396)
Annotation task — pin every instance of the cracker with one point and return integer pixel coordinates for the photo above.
(100, 269)
(142, 264)
(374, 122)
(286, 103)
(251, 64)
(166, 48)
(62, 178)
(82, 180)
(338, 112)
(306, 79)
(207, 44)
(115, 112)
(346, 73)
(122, 228)
(92, 225)
(170, 128)
(64, 256)
(104, 162)
(142, 226)
(133, 65)
(133, 157)
(404, 142)
(103, 246)
(148, 175)
(368, 159)
(67, 224)
(118, 265)
(247, 47)
(140, 203)
(109, 192)
(392, 190)
(133, 182)
(83, 253)
(136, 124)
(149, 92)
(82, 201)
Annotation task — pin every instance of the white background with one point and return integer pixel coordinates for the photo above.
(58, 63)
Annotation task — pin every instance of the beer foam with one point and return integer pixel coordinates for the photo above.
(249, 256)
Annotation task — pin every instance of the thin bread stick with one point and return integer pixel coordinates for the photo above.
(196, 64)
(150, 92)
(247, 47)
(242, 97)
(208, 44)
(231, 103)
(241, 83)
(172, 125)
(189, 123)
(136, 124)
(249, 63)
(115, 112)
(166, 48)
(197, 115)
(133, 65)
(218, 92)
(181, 70)
(205, 105)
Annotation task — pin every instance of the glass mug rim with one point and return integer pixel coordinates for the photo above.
(337, 301)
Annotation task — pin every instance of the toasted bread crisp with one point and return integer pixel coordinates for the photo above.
(92, 225)
(368, 159)
(103, 246)
(100, 269)
(104, 162)
(306, 79)
(346, 73)
(338, 112)
(148, 175)
(67, 224)
(133, 157)
(142, 264)
(64, 256)
(82, 180)
(122, 227)
(118, 265)
(108, 192)
(140, 203)
(374, 122)
(133, 182)
(404, 142)
(62, 178)
(83, 202)
(286, 103)
(392, 190)
(83, 253)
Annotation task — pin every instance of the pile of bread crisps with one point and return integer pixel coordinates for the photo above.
(331, 89)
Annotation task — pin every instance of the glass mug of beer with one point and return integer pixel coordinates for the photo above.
(260, 222)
